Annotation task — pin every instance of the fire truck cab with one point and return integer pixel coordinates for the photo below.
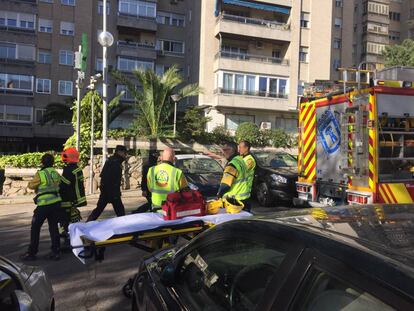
(357, 147)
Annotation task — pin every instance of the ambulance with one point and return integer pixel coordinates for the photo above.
(357, 146)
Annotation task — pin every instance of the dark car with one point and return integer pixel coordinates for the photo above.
(275, 177)
(24, 288)
(202, 172)
(342, 258)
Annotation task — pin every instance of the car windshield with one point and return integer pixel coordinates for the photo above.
(271, 159)
(199, 166)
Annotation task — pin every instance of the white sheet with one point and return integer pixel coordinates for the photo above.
(103, 230)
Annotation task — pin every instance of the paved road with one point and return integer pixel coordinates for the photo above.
(94, 286)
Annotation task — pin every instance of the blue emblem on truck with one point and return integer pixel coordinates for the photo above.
(329, 132)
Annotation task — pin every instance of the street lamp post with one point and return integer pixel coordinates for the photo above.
(91, 87)
(175, 98)
(105, 40)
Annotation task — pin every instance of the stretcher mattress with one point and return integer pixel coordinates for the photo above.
(102, 230)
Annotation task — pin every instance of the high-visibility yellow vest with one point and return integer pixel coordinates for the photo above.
(162, 180)
(250, 167)
(48, 190)
(240, 188)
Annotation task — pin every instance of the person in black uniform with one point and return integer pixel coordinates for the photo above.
(152, 161)
(110, 187)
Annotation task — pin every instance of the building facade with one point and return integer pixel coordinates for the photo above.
(251, 58)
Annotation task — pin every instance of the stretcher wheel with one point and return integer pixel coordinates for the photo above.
(127, 288)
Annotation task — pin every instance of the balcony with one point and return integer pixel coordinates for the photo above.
(252, 27)
(137, 22)
(242, 62)
(376, 38)
(136, 49)
(230, 98)
(30, 31)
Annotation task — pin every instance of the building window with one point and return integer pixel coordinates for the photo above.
(67, 28)
(44, 57)
(171, 19)
(99, 65)
(170, 46)
(8, 50)
(39, 113)
(303, 54)
(411, 13)
(45, 25)
(43, 86)
(17, 114)
(288, 125)
(66, 58)
(336, 64)
(337, 43)
(395, 16)
(16, 82)
(338, 3)
(100, 7)
(138, 8)
(131, 64)
(394, 35)
(338, 22)
(234, 120)
(374, 48)
(46, 1)
(65, 88)
(376, 8)
(68, 2)
(17, 51)
(128, 96)
(161, 69)
(17, 20)
(304, 20)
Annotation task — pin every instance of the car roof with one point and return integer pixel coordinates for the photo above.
(191, 156)
(386, 230)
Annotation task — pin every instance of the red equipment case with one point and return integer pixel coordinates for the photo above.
(184, 204)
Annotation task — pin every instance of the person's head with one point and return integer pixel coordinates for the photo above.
(47, 160)
(168, 155)
(244, 147)
(70, 155)
(121, 151)
(229, 149)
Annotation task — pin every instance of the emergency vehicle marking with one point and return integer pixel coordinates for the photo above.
(307, 147)
(395, 193)
(371, 148)
(329, 132)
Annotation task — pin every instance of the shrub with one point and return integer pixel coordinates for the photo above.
(28, 160)
(219, 135)
(248, 131)
(280, 139)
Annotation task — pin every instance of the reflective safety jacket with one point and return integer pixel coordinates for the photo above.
(48, 190)
(71, 188)
(163, 179)
(239, 189)
(250, 166)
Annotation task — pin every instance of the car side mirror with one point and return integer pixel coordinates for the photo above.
(168, 275)
(22, 301)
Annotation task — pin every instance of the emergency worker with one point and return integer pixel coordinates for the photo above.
(234, 184)
(164, 178)
(244, 151)
(110, 187)
(46, 185)
(71, 189)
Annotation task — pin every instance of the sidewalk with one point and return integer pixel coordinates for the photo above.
(23, 199)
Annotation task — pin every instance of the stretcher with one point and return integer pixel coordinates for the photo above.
(88, 240)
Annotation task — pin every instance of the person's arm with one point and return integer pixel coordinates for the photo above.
(149, 181)
(144, 179)
(183, 182)
(35, 182)
(229, 176)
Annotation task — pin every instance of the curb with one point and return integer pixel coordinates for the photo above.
(29, 198)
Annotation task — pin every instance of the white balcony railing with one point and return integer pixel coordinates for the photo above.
(253, 21)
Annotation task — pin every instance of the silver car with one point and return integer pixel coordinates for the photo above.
(24, 288)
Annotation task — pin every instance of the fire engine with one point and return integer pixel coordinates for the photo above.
(357, 146)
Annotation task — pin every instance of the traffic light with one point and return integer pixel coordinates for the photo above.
(84, 52)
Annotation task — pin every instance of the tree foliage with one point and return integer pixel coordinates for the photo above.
(400, 54)
(193, 124)
(153, 98)
(248, 131)
(28, 160)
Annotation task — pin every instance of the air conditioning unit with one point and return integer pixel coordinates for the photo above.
(259, 45)
(266, 125)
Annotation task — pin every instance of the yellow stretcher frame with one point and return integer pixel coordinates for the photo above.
(187, 230)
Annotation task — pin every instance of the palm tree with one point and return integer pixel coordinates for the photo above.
(57, 113)
(154, 99)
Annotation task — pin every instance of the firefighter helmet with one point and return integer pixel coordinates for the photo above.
(70, 155)
(233, 206)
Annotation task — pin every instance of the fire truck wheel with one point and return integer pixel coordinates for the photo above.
(263, 195)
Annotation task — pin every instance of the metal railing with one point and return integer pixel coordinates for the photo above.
(135, 45)
(250, 93)
(253, 21)
(251, 57)
(125, 14)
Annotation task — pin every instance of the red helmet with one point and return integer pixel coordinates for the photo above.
(70, 155)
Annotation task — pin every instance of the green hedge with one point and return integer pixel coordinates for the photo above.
(27, 160)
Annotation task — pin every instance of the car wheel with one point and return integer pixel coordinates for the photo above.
(263, 195)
